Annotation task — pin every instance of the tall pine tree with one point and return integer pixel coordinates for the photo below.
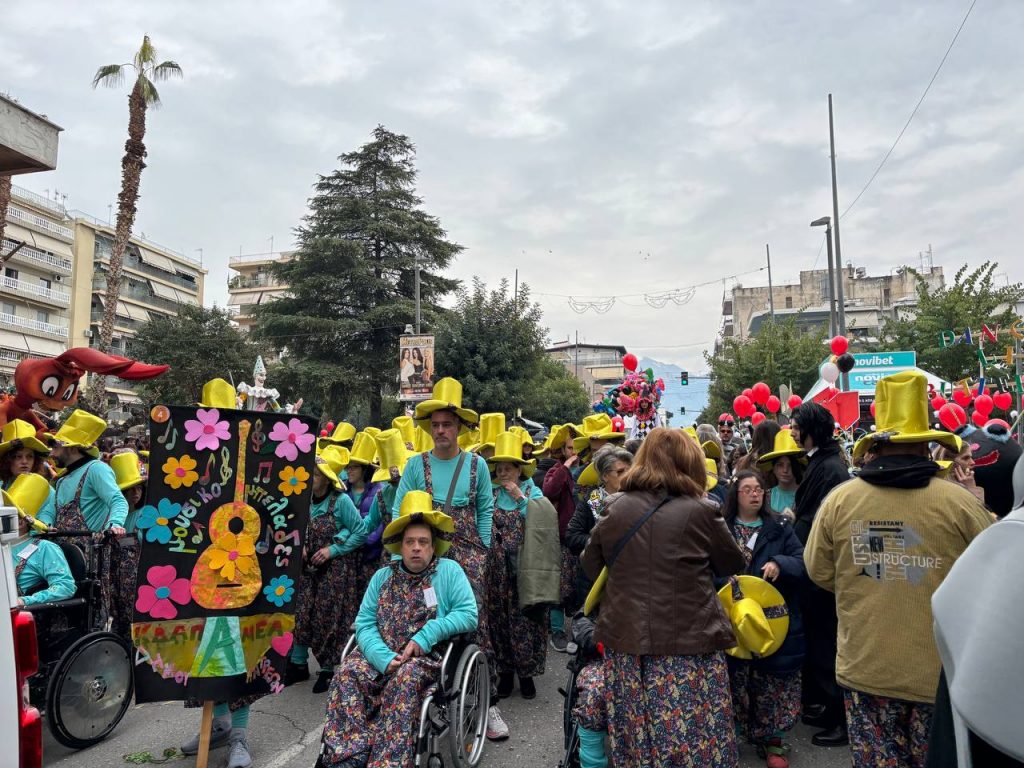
(352, 281)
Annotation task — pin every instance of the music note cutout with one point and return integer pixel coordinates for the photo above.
(205, 479)
(163, 438)
(263, 472)
(258, 438)
(198, 537)
(262, 547)
(225, 466)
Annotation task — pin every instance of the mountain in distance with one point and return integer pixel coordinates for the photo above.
(694, 397)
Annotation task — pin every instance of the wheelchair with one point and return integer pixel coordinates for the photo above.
(85, 683)
(570, 728)
(456, 711)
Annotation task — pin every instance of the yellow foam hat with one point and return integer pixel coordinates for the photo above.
(447, 396)
(392, 453)
(711, 469)
(711, 450)
(524, 434)
(418, 507)
(784, 445)
(758, 614)
(81, 430)
(692, 432)
(422, 441)
(508, 449)
(549, 439)
(343, 433)
(127, 469)
(218, 394)
(468, 439)
(331, 461)
(491, 425)
(364, 450)
(407, 427)
(372, 431)
(901, 412)
(20, 434)
(597, 426)
(27, 493)
(596, 592)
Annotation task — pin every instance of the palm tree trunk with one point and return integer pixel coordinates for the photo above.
(5, 200)
(131, 174)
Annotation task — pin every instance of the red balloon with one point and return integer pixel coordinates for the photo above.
(618, 425)
(984, 405)
(872, 409)
(962, 398)
(1003, 400)
(952, 416)
(748, 393)
(629, 361)
(979, 418)
(757, 418)
(937, 402)
(795, 401)
(743, 406)
(324, 433)
(773, 404)
(760, 393)
(839, 345)
(330, 426)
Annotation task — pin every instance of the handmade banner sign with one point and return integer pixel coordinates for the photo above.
(222, 533)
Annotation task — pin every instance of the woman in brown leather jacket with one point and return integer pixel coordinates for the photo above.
(661, 624)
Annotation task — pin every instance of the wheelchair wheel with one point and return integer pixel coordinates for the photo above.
(467, 712)
(90, 690)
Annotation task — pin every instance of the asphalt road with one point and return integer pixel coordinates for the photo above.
(284, 732)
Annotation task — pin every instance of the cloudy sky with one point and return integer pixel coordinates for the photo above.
(600, 148)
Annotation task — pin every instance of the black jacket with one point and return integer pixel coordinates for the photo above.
(578, 533)
(825, 470)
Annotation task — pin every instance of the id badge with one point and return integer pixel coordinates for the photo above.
(429, 597)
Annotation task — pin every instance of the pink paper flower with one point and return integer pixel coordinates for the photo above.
(164, 589)
(292, 438)
(206, 430)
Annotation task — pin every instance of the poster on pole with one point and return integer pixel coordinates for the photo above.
(221, 552)
(415, 368)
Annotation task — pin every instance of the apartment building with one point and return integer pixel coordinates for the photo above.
(597, 366)
(254, 284)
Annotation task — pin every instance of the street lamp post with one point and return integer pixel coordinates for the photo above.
(826, 221)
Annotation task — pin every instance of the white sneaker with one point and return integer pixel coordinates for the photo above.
(497, 729)
(239, 756)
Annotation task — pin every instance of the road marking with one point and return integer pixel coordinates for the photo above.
(294, 751)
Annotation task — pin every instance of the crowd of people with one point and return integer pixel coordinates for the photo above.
(717, 587)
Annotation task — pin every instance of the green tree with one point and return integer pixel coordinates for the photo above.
(352, 280)
(971, 300)
(146, 71)
(779, 354)
(199, 344)
(493, 342)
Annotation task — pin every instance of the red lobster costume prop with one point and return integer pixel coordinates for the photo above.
(53, 381)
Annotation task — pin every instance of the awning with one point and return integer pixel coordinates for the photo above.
(132, 312)
(13, 340)
(186, 298)
(45, 347)
(157, 260)
(164, 291)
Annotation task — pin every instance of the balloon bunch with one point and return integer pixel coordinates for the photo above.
(638, 395)
(745, 405)
(953, 415)
(327, 430)
(840, 362)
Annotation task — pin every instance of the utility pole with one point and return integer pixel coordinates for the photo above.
(418, 314)
(835, 223)
(577, 374)
(771, 295)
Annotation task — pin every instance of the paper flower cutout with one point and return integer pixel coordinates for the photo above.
(206, 430)
(180, 472)
(156, 521)
(157, 598)
(293, 480)
(231, 553)
(280, 590)
(293, 438)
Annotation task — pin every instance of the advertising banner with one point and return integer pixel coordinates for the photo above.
(415, 368)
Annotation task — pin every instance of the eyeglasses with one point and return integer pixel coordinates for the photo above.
(725, 423)
(755, 491)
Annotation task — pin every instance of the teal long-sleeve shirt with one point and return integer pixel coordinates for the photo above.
(505, 501)
(456, 613)
(103, 504)
(45, 565)
(376, 514)
(441, 471)
(349, 523)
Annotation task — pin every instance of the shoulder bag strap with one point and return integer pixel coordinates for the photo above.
(455, 480)
(632, 531)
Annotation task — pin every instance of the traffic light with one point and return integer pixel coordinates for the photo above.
(684, 378)
(682, 411)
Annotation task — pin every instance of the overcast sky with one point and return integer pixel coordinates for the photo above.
(602, 148)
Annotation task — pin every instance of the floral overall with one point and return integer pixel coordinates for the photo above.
(373, 715)
(519, 644)
(326, 605)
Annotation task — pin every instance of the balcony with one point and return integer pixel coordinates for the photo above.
(103, 257)
(38, 201)
(256, 258)
(243, 282)
(99, 284)
(120, 321)
(23, 323)
(32, 220)
(36, 292)
(36, 257)
(76, 214)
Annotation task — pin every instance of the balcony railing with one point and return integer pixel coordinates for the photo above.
(35, 291)
(37, 256)
(104, 258)
(60, 331)
(254, 257)
(96, 316)
(99, 283)
(38, 200)
(39, 222)
(240, 282)
(76, 214)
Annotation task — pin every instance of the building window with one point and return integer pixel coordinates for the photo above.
(47, 284)
(9, 308)
(11, 273)
(42, 316)
(886, 297)
(789, 302)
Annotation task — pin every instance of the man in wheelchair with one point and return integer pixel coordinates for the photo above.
(409, 609)
(40, 568)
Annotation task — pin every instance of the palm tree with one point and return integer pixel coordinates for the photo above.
(144, 95)
(5, 200)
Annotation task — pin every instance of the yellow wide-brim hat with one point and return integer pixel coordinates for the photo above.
(407, 427)
(418, 507)
(491, 425)
(331, 461)
(468, 439)
(508, 449)
(81, 430)
(20, 434)
(901, 413)
(27, 493)
(758, 614)
(784, 445)
(364, 450)
(546, 446)
(711, 450)
(711, 472)
(343, 434)
(392, 454)
(597, 426)
(447, 396)
(127, 470)
(218, 394)
(524, 434)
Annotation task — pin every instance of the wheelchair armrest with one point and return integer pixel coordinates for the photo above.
(71, 602)
(349, 647)
(452, 653)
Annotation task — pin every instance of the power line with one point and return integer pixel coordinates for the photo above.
(912, 114)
